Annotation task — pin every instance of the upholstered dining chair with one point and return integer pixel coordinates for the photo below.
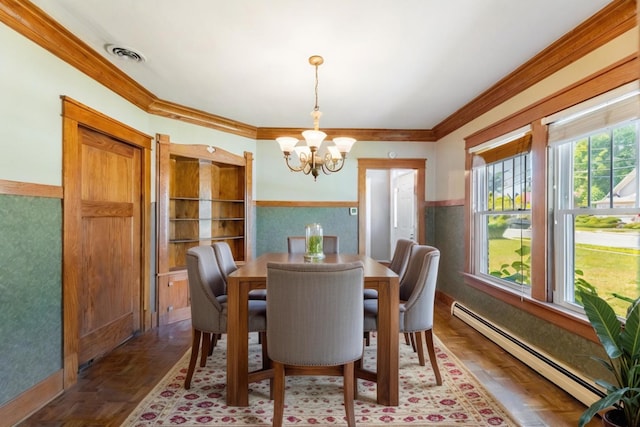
(417, 298)
(398, 263)
(301, 297)
(330, 244)
(228, 265)
(209, 307)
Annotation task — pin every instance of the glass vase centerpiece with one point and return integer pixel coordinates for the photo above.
(313, 242)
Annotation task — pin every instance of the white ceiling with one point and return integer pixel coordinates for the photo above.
(389, 64)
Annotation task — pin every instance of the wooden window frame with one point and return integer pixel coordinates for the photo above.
(539, 303)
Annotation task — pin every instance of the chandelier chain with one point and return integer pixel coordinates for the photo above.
(317, 107)
(310, 159)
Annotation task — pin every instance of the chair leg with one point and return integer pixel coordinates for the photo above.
(407, 340)
(206, 345)
(278, 394)
(262, 339)
(349, 392)
(432, 355)
(356, 366)
(367, 338)
(412, 337)
(214, 342)
(195, 348)
(419, 348)
(266, 362)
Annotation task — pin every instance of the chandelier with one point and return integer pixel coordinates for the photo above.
(311, 161)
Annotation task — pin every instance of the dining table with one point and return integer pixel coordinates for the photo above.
(253, 275)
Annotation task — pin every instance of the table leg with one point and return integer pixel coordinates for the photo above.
(237, 343)
(388, 348)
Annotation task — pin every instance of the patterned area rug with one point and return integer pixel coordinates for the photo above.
(317, 401)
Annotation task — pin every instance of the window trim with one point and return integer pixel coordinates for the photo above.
(504, 149)
(542, 280)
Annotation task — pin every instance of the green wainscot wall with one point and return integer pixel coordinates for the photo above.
(447, 234)
(275, 224)
(30, 292)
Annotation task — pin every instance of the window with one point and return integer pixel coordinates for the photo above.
(501, 182)
(596, 211)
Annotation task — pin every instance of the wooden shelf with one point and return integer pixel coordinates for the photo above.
(203, 196)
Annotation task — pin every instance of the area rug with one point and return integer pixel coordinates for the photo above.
(317, 401)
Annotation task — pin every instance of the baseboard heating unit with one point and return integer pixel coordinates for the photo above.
(569, 380)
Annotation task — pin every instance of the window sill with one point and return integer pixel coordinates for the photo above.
(553, 314)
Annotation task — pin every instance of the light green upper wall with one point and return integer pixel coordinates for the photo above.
(450, 149)
(31, 85)
(276, 182)
(31, 134)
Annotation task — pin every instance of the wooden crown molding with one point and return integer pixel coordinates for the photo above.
(28, 20)
(200, 118)
(612, 21)
(417, 135)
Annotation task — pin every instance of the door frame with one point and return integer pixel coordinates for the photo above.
(74, 116)
(419, 165)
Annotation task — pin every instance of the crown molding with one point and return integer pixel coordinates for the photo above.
(28, 20)
(416, 135)
(612, 21)
(201, 118)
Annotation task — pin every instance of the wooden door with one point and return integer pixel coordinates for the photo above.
(109, 291)
(106, 239)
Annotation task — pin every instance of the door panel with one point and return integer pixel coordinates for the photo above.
(404, 228)
(109, 287)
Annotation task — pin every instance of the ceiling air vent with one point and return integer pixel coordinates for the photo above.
(125, 53)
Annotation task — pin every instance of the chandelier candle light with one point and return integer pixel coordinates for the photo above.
(311, 161)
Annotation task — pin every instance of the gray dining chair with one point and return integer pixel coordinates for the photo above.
(209, 307)
(398, 263)
(301, 297)
(417, 299)
(330, 244)
(228, 265)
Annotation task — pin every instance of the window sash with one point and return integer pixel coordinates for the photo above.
(607, 110)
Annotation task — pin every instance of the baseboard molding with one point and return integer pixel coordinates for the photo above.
(563, 376)
(32, 399)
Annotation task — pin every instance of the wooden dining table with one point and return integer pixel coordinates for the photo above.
(253, 275)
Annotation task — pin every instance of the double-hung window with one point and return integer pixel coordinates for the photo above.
(594, 158)
(501, 210)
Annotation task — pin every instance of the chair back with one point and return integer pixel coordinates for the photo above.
(207, 289)
(297, 244)
(225, 260)
(315, 313)
(418, 288)
(400, 257)
(330, 244)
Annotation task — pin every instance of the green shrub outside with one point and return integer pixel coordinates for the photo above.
(497, 226)
(591, 221)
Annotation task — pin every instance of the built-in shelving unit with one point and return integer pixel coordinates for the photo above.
(204, 194)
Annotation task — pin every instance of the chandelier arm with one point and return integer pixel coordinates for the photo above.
(294, 168)
(331, 165)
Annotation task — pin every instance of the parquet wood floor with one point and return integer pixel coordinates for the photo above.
(111, 388)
